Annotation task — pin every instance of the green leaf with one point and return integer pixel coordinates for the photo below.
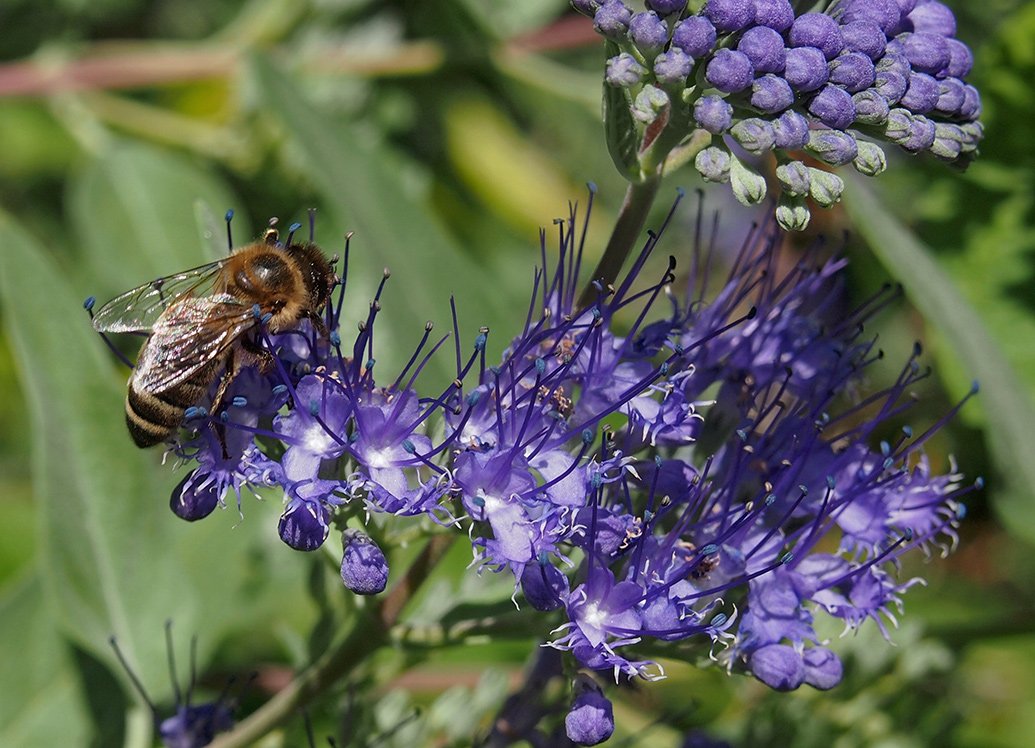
(362, 190)
(42, 704)
(620, 128)
(143, 197)
(113, 557)
(1009, 409)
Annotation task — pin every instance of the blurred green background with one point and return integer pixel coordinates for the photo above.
(444, 134)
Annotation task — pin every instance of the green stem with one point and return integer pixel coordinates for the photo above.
(639, 198)
(366, 636)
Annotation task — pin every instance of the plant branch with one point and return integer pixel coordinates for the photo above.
(342, 657)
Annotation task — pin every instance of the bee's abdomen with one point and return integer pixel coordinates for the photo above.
(152, 417)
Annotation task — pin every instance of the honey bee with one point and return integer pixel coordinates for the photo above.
(207, 321)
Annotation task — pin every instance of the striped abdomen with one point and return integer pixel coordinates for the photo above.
(152, 417)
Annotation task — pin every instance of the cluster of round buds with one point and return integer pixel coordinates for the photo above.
(757, 78)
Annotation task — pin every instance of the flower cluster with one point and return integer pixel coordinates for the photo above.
(655, 466)
(744, 78)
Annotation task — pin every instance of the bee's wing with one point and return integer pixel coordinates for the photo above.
(139, 310)
(193, 333)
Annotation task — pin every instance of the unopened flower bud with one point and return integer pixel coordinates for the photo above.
(926, 52)
(771, 94)
(948, 141)
(195, 497)
(623, 71)
(870, 107)
(591, 719)
(791, 131)
(747, 184)
(897, 126)
(754, 135)
(694, 35)
(853, 71)
(865, 37)
(612, 20)
(545, 587)
(764, 47)
(648, 32)
(816, 30)
(933, 17)
(713, 113)
(729, 15)
(834, 107)
(364, 569)
(776, 14)
(729, 71)
(666, 7)
(806, 69)
(649, 103)
(871, 160)
(825, 187)
(920, 135)
(794, 178)
(671, 68)
(922, 94)
(713, 163)
(833, 146)
(792, 213)
(303, 525)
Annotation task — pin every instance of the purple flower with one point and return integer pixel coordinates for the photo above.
(791, 131)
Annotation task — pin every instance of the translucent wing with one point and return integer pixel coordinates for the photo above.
(140, 309)
(193, 333)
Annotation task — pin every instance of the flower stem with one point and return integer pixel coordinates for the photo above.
(639, 197)
(342, 657)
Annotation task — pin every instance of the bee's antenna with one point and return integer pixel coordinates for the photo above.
(229, 235)
(312, 224)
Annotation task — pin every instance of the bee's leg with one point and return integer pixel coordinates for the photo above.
(233, 368)
(263, 359)
(318, 324)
